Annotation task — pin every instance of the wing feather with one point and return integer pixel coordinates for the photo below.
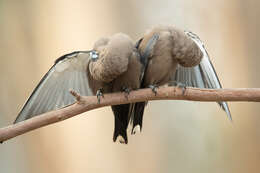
(202, 75)
(68, 72)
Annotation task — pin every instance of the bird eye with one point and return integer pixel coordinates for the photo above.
(94, 55)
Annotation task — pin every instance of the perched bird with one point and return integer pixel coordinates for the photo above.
(176, 58)
(113, 65)
(164, 56)
(127, 81)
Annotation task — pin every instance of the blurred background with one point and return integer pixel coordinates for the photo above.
(178, 136)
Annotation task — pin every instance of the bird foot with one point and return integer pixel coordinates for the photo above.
(154, 88)
(179, 85)
(126, 91)
(99, 94)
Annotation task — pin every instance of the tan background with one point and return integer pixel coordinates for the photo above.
(178, 136)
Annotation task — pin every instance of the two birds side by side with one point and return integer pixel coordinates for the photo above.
(164, 56)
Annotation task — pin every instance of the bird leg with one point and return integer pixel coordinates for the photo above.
(178, 85)
(99, 94)
(154, 88)
(127, 91)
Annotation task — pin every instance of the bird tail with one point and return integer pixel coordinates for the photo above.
(138, 117)
(121, 115)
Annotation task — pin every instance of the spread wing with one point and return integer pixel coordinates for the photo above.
(68, 72)
(202, 75)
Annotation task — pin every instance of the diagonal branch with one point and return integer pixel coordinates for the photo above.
(84, 104)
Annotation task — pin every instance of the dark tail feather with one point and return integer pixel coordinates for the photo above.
(138, 116)
(121, 121)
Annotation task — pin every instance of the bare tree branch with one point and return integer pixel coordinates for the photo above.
(84, 104)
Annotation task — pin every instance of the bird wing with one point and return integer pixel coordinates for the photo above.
(137, 109)
(68, 72)
(202, 75)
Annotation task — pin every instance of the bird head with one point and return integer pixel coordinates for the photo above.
(110, 57)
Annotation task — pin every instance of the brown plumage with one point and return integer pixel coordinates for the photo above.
(116, 64)
(172, 47)
(114, 53)
(113, 65)
(118, 68)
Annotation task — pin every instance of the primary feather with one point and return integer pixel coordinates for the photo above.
(202, 75)
(68, 72)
